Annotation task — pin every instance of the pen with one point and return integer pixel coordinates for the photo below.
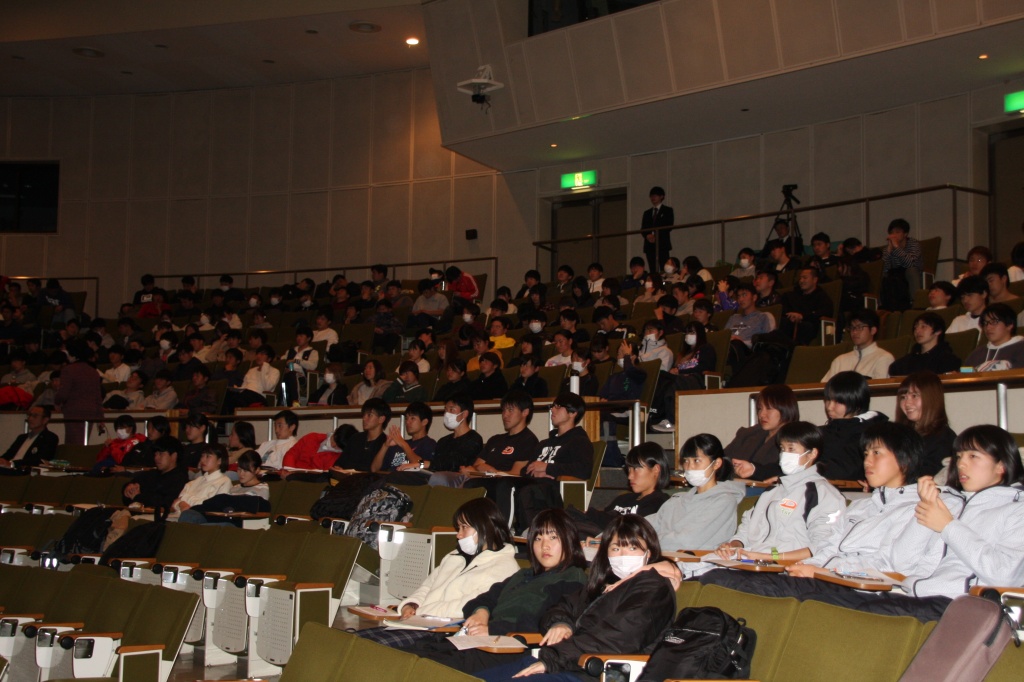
(381, 609)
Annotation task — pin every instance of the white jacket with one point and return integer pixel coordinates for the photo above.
(454, 582)
(203, 488)
(777, 520)
(984, 546)
(880, 532)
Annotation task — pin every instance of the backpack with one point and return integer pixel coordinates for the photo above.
(703, 643)
(141, 541)
(967, 642)
(86, 534)
(386, 503)
(341, 499)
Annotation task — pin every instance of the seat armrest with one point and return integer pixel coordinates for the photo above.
(528, 638)
(571, 478)
(139, 648)
(980, 590)
(443, 529)
(108, 635)
(282, 519)
(713, 381)
(313, 586)
(612, 657)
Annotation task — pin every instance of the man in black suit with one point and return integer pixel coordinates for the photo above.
(29, 449)
(657, 245)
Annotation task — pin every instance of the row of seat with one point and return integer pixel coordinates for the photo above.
(63, 623)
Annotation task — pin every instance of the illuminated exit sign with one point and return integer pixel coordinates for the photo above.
(581, 180)
(1012, 103)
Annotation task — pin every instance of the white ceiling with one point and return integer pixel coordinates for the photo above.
(211, 44)
(223, 44)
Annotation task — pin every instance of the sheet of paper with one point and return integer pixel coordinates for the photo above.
(422, 622)
(463, 642)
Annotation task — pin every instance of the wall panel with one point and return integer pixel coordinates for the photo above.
(307, 228)
(311, 136)
(151, 146)
(389, 224)
(748, 42)
(146, 243)
(24, 254)
(269, 235)
(271, 138)
(431, 226)
(188, 239)
(430, 159)
(350, 222)
(229, 230)
(474, 209)
(392, 115)
(596, 64)
(190, 144)
(105, 252)
(64, 252)
(230, 142)
(350, 133)
(111, 136)
(694, 43)
(917, 18)
(553, 88)
(72, 120)
(807, 31)
(30, 128)
(643, 55)
(868, 24)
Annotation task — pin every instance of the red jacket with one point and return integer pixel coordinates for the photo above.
(117, 448)
(306, 454)
(465, 287)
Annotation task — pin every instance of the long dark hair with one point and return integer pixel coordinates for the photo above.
(630, 529)
(246, 434)
(486, 519)
(702, 338)
(995, 442)
(556, 520)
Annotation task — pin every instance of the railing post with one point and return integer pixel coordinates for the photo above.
(1001, 406)
(721, 240)
(955, 225)
(753, 410)
(634, 425)
(85, 438)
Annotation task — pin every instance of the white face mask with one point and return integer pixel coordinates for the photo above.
(744, 263)
(536, 327)
(698, 478)
(123, 434)
(622, 362)
(253, 302)
(330, 378)
(651, 338)
(468, 318)
(648, 284)
(669, 269)
(165, 344)
(204, 319)
(451, 421)
(577, 366)
(691, 340)
(789, 462)
(625, 566)
(224, 287)
(307, 304)
(275, 300)
(469, 544)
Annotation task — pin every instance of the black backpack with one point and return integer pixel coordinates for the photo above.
(86, 534)
(341, 499)
(703, 643)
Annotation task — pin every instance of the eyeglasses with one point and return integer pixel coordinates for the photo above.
(991, 323)
(857, 327)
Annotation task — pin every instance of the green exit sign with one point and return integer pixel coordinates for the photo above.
(581, 180)
(1012, 103)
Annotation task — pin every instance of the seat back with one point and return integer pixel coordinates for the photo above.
(79, 455)
(275, 552)
(297, 498)
(368, 661)
(187, 543)
(963, 343)
(326, 559)
(746, 503)
(426, 670)
(818, 646)
(46, 489)
(930, 255)
(230, 548)
(810, 363)
(687, 594)
(163, 617)
(92, 490)
(898, 346)
(35, 592)
(320, 654)
(720, 342)
(771, 618)
(441, 505)
(12, 488)
(22, 530)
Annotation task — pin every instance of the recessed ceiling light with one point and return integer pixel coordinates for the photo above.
(128, 73)
(88, 52)
(160, 46)
(312, 31)
(269, 61)
(982, 56)
(553, 145)
(412, 41)
(364, 27)
(18, 57)
(744, 109)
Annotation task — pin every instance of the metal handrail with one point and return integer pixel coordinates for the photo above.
(93, 279)
(444, 263)
(546, 244)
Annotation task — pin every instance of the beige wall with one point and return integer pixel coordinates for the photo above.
(261, 178)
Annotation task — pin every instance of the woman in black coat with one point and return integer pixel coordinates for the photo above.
(848, 407)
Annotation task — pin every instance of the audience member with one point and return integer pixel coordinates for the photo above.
(867, 357)
(849, 413)
(930, 350)
(36, 445)
(921, 404)
(1004, 350)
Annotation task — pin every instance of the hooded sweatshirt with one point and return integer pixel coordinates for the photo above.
(777, 520)
(992, 358)
(984, 546)
(692, 520)
(657, 350)
(880, 532)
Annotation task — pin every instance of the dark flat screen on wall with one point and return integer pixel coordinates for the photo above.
(29, 192)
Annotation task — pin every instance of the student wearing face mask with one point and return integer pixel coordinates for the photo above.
(115, 449)
(330, 391)
(653, 346)
(793, 520)
(745, 266)
(580, 367)
(672, 271)
(704, 516)
(485, 556)
(621, 610)
(696, 356)
(460, 448)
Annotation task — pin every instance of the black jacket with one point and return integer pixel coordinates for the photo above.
(158, 489)
(44, 447)
(571, 454)
(445, 392)
(627, 620)
(841, 456)
(939, 360)
(493, 387)
(534, 385)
